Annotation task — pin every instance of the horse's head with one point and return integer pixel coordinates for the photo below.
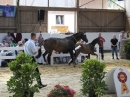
(84, 37)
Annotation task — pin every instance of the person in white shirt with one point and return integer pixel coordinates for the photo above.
(30, 48)
(121, 36)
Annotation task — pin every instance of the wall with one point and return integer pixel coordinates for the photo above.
(127, 15)
(68, 19)
(90, 36)
(101, 20)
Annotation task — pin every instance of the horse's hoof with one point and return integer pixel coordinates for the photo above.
(69, 63)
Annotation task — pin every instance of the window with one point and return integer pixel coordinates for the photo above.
(59, 19)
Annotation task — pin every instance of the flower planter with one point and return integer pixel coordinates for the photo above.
(65, 96)
(61, 91)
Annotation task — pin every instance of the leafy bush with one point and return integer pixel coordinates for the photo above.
(24, 74)
(92, 78)
(127, 50)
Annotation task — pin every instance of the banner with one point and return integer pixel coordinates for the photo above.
(7, 11)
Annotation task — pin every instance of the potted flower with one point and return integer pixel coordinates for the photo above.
(92, 79)
(21, 84)
(61, 91)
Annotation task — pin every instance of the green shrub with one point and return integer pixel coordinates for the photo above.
(21, 84)
(127, 50)
(92, 78)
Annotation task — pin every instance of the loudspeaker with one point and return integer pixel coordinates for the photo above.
(41, 14)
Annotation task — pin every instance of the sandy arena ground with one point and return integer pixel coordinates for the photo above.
(60, 74)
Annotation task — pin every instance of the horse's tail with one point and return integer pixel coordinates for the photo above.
(40, 51)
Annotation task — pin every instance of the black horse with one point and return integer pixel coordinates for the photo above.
(66, 44)
(86, 49)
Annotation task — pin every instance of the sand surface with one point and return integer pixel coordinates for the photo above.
(60, 74)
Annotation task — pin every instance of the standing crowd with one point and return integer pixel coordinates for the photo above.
(115, 43)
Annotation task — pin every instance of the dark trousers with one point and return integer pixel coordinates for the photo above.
(101, 50)
(37, 70)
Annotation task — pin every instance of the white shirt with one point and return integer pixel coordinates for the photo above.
(29, 47)
(121, 37)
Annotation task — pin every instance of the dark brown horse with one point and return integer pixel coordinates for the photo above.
(86, 49)
(66, 45)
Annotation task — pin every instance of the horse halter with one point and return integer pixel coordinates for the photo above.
(74, 39)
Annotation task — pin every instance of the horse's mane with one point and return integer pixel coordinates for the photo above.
(95, 40)
(78, 33)
(75, 34)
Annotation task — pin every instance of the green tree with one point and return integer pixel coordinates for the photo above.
(92, 78)
(21, 84)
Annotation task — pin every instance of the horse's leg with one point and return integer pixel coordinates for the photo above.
(95, 54)
(76, 55)
(88, 57)
(44, 55)
(48, 58)
(71, 55)
(70, 61)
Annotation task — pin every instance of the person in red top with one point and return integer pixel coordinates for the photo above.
(102, 40)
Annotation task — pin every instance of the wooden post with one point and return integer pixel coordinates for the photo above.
(77, 22)
(102, 4)
(47, 21)
(17, 18)
(48, 3)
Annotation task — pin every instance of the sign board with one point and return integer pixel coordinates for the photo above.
(122, 82)
(62, 29)
(7, 11)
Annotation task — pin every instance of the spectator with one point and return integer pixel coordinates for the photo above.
(40, 39)
(128, 35)
(25, 40)
(8, 38)
(114, 42)
(12, 43)
(4, 43)
(20, 44)
(121, 36)
(102, 40)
